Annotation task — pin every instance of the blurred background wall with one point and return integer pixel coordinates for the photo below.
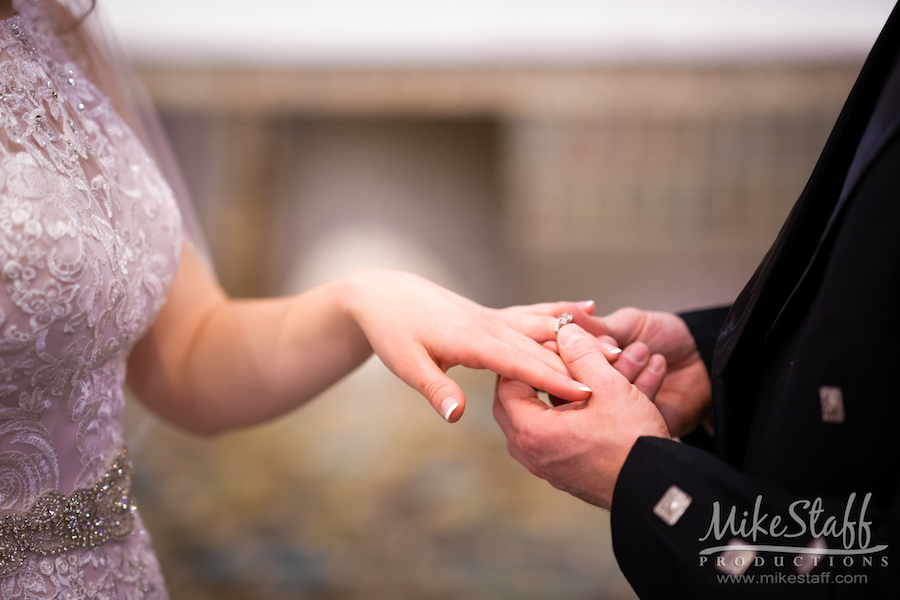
(637, 154)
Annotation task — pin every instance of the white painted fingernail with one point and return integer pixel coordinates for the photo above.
(586, 303)
(584, 388)
(447, 407)
(612, 349)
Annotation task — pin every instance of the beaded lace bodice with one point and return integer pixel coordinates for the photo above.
(90, 236)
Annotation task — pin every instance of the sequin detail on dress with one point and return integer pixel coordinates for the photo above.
(56, 523)
(90, 237)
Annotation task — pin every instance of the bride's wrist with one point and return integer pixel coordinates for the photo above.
(356, 293)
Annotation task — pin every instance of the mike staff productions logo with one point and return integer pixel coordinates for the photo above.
(842, 539)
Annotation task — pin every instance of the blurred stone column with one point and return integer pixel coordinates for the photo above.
(232, 167)
(248, 175)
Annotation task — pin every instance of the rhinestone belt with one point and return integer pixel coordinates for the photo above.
(56, 523)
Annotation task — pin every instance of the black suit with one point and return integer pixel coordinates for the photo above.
(819, 318)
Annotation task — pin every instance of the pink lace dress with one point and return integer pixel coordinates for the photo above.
(90, 236)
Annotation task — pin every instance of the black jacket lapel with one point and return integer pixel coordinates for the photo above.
(736, 365)
(884, 125)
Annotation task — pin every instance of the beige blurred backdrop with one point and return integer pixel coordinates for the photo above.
(642, 158)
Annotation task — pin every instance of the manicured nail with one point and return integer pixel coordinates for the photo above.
(611, 349)
(447, 407)
(583, 388)
(585, 304)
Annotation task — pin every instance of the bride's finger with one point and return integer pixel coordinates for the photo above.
(610, 347)
(538, 321)
(543, 328)
(444, 395)
(554, 308)
(525, 362)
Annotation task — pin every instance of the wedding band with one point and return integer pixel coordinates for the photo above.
(565, 319)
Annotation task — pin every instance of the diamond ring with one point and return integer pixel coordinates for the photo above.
(565, 319)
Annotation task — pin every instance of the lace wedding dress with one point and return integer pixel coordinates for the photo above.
(90, 236)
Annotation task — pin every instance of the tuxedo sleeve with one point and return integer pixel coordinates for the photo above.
(663, 560)
(704, 326)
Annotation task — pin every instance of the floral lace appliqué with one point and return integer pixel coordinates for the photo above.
(90, 237)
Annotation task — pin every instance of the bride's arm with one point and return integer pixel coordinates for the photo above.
(210, 363)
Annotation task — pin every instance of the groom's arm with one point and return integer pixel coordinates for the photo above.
(704, 325)
(664, 518)
(612, 451)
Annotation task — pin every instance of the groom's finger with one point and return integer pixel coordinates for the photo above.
(624, 324)
(584, 358)
(501, 417)
(506, 426)
(519, 409)
(610, 350)
(503, 420)
(651, 378)
(633, 360)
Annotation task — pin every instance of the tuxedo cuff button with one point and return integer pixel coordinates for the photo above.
(672, 505)
(832, 402)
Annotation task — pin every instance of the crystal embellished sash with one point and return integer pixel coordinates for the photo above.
(56, 523)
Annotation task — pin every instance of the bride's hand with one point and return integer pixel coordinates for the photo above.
(419, 330)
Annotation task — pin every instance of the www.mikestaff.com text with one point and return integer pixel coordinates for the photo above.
(793, 578)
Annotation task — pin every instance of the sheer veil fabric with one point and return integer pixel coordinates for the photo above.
(90, 238)
(100, 51)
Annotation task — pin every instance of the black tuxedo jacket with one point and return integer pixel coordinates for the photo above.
(806, 396)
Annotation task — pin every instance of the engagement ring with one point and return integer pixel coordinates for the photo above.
(565, 319)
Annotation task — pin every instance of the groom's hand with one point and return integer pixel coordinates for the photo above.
(579, 447)
(684, 398)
